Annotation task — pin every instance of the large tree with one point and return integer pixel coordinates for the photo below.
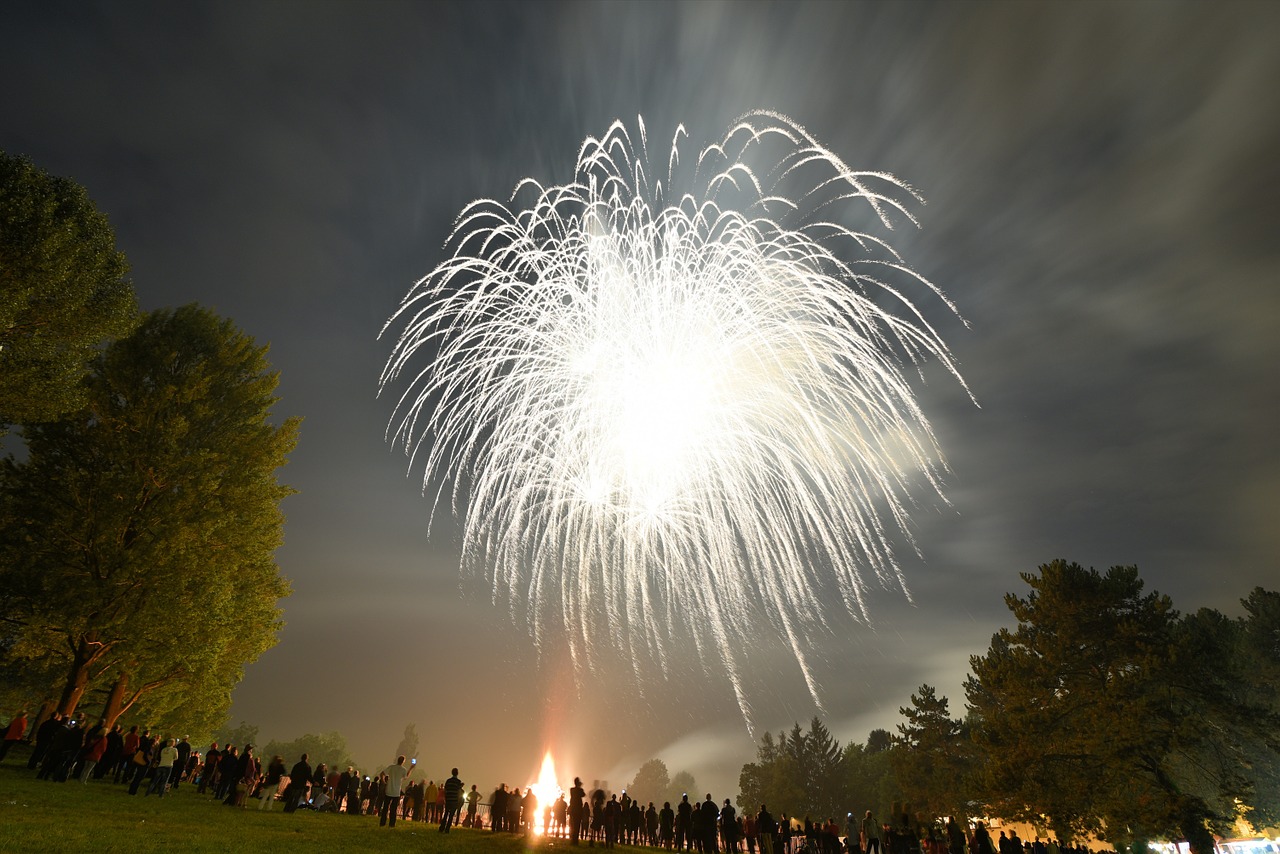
(1104, 711)
(932, 757)
(796, 773)
(62, 291)
(139, 553)
(870, 781)
(652, 782)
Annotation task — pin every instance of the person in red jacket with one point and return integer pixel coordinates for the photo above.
(92, 754)
(17, 728)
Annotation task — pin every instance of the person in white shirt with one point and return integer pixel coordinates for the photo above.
(168, 756)
(396, 775)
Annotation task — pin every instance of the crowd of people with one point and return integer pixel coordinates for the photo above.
(63, 750)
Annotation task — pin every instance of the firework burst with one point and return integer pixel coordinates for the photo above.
(676, 400)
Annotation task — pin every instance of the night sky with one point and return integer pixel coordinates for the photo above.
(1103, 187)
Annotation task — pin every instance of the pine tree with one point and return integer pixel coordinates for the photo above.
(932, 757)
(1106, 712)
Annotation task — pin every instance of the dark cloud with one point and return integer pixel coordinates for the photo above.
(1102, 206)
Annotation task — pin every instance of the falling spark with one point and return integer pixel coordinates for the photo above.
(680, 402)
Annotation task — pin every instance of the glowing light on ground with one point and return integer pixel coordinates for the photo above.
(546, 790)
(678, 395)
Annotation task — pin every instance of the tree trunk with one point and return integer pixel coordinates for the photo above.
(88, 649)
(1194, 829)
(115, 701)
(47, 708)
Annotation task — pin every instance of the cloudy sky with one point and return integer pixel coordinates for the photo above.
(1103, 197)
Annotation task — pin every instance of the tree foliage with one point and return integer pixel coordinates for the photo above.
(239, 736)
(1106, 712)
(138, 557)
(681, 782)
(327, 747)
(870, 780)
(651, 783)
(932, 757)
(62, 291)
(796, 773)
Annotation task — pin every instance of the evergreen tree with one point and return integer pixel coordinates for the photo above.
(1107, 713)
(932, 757)
(870, 781)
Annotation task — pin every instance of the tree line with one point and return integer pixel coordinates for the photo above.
(139, 502)
(1104, 712)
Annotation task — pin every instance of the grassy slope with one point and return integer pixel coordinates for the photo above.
(39, 816)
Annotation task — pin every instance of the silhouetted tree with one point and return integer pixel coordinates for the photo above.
(651, 783)
(932, 757)
(1107, 713)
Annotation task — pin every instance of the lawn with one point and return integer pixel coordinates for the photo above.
(39, 816)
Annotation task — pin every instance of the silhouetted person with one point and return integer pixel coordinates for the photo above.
(44, 739)
(299, 779)
(684, 822)
(498, 808)
(577, 806)
(452, 801)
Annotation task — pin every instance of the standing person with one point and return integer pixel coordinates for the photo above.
(212, 757)
(711, 825)
(729, 826)
(180, 767)
(452, 801)
(395, 776)
(112, 755)
(45, 734)
(870, 834)
(429, 797)
(299, 780)
(227, 773)
(271, 788)
(353, 792)
(139, 762)
(473, 804)
(164, 767)
(767, 827)
(498, 808)
(684, 821)
(13, 733)
(129, 746)
(529, 811)
(577, 803)
(92, 756)
(666, 825)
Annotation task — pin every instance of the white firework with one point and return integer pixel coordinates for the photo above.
(676, 402)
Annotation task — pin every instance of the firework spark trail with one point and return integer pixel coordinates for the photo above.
(655, 409)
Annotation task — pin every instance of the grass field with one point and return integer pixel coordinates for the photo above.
(40, 816)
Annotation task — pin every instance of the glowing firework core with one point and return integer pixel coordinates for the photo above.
(656, 400)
